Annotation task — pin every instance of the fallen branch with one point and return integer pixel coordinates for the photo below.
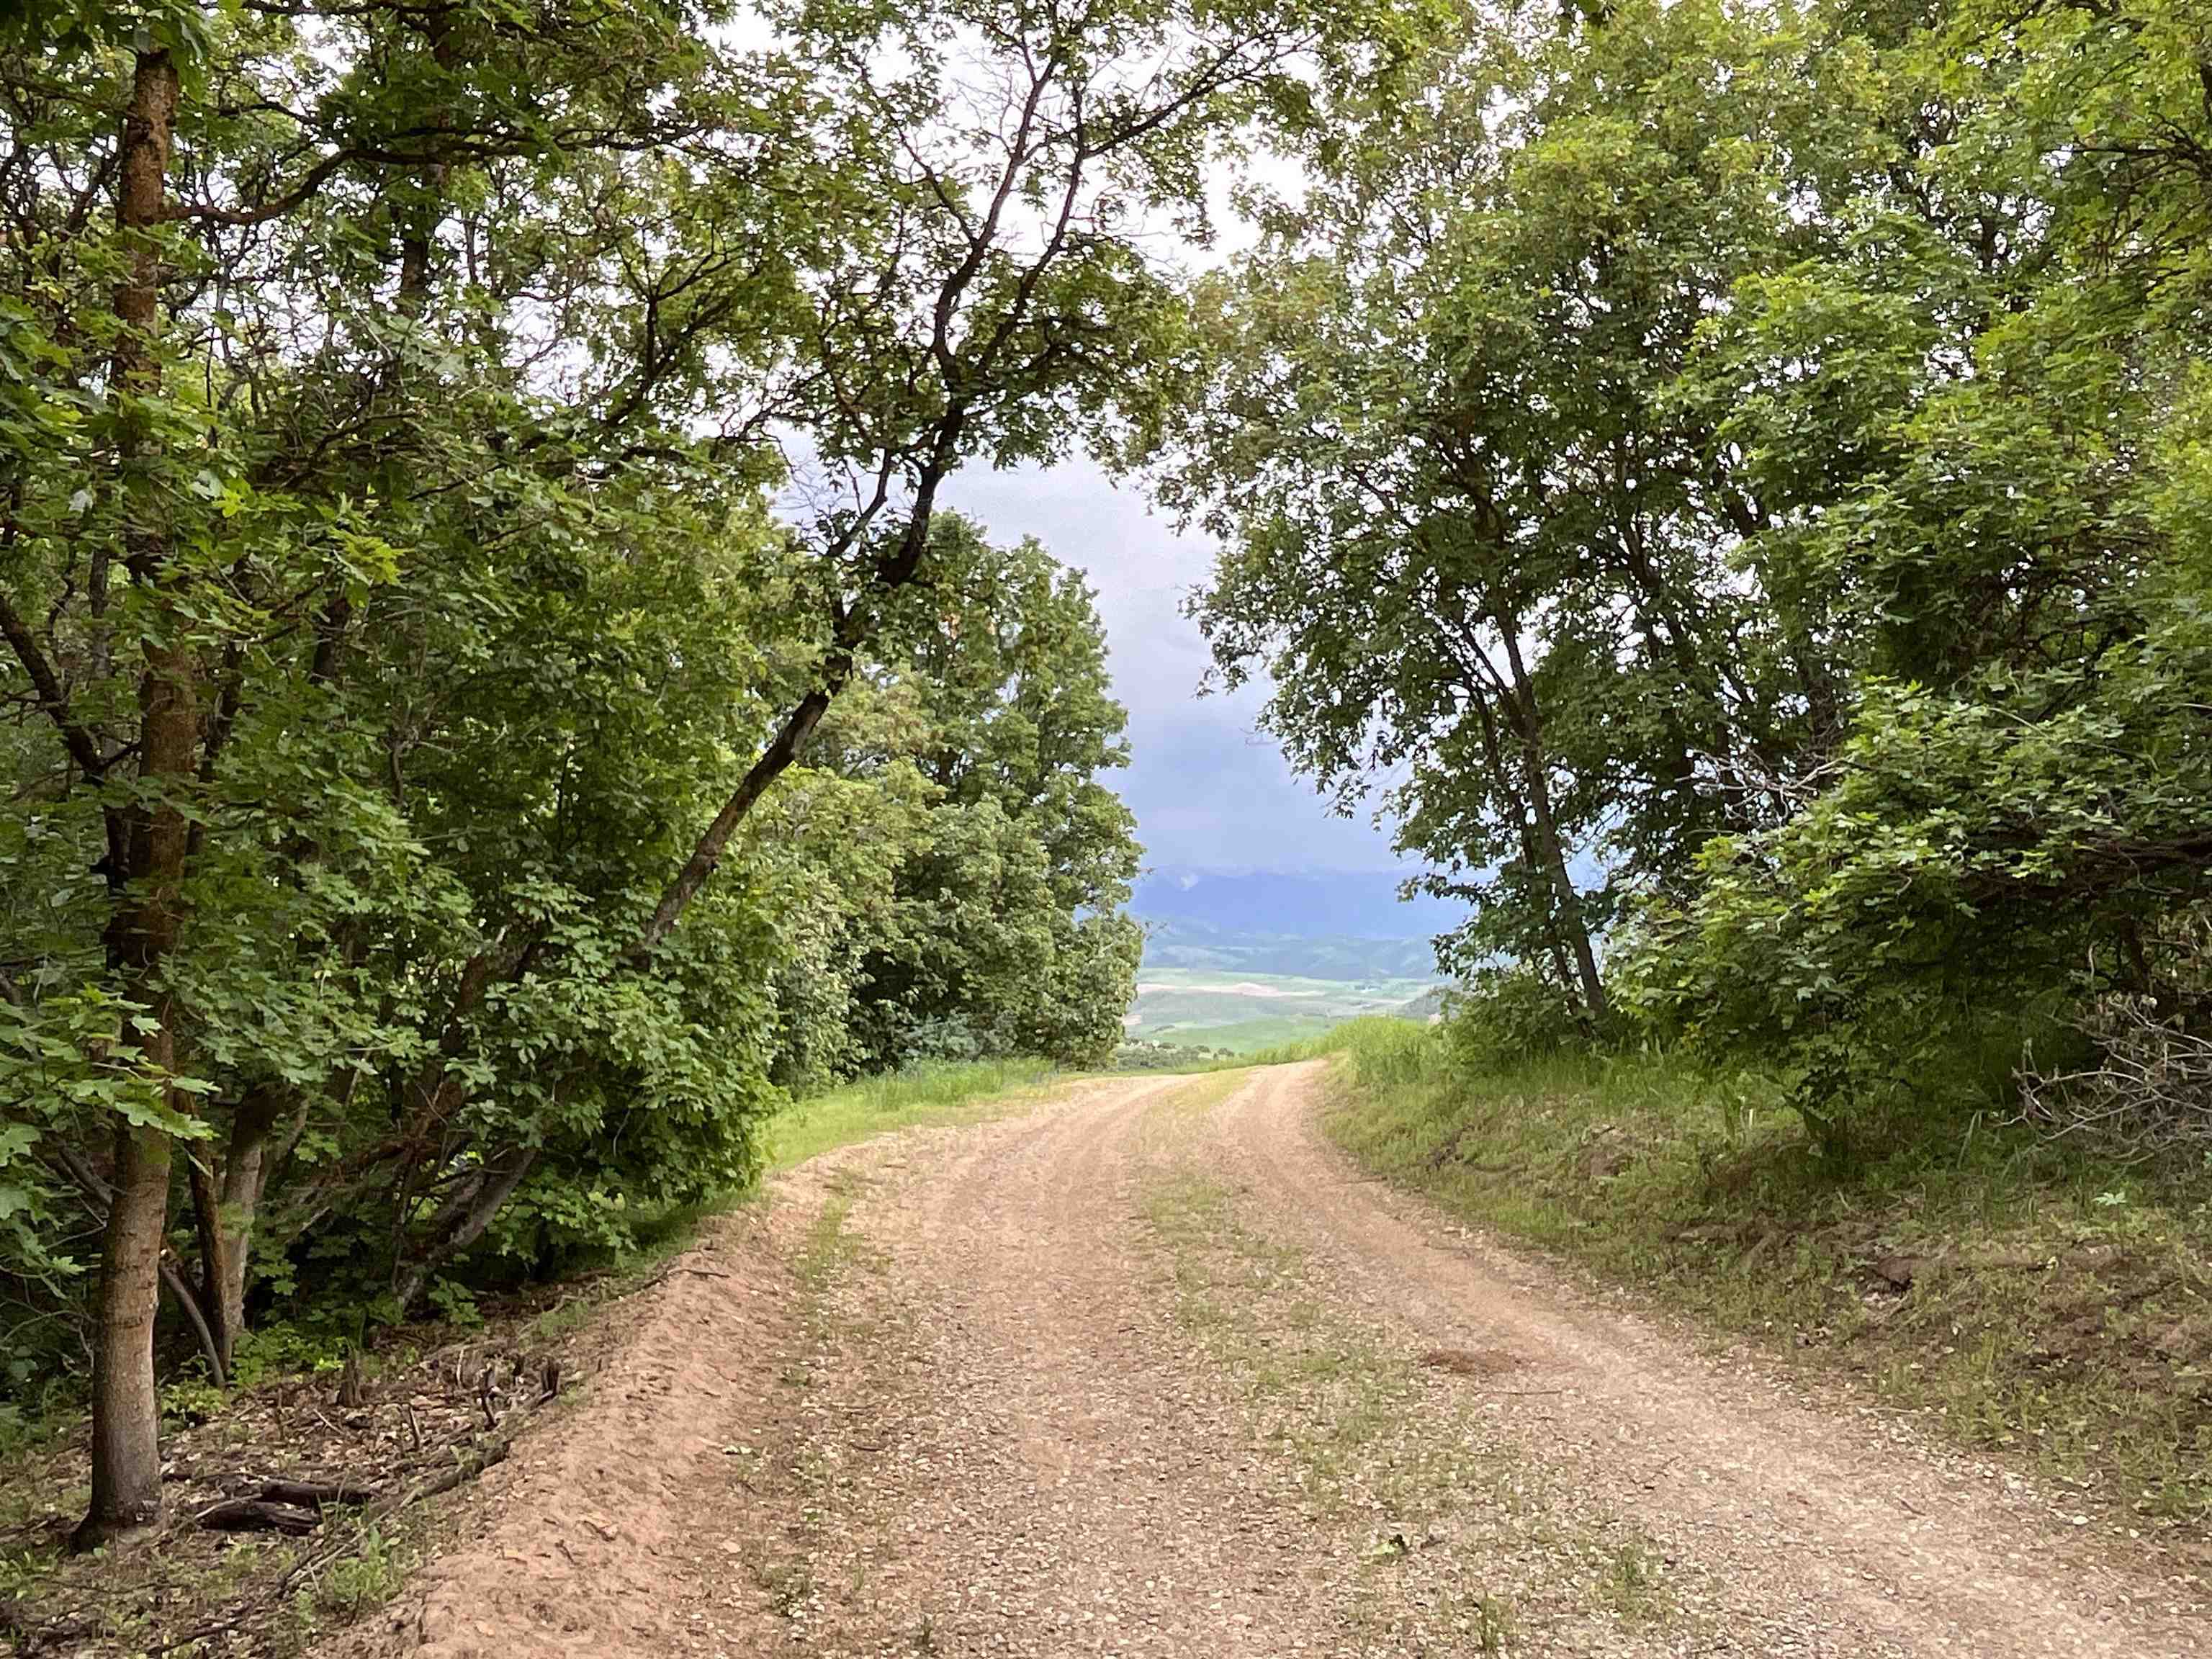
(664, 1276)
(471, 1464)
(315, 1495)
(467, 1466)
(253, 1515)
(2150, 1094)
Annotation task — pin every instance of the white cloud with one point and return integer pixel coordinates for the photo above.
(1209, 789)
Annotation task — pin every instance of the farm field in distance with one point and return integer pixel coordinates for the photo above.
(1245, 1011)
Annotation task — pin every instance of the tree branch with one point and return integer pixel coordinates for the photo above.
(83, 749)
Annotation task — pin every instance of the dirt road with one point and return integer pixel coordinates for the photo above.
(1151, 1370)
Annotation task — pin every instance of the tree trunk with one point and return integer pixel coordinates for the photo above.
(782, 750)
(224, 1203)
(855, 629)
(418, 239)
(214, 1261)
(1573, 923)
(245, 1175)
(1494, 756)
(127, 1464)
(126, 1453)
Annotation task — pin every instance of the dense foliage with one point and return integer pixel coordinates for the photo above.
(490, 699)
(492, 705)
(1741, 471)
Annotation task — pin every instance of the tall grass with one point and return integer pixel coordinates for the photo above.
(1375, 1033)
(932, 1091)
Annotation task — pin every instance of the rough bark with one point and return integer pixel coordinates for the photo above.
(316, 1494)
(207, 1223)
(100, 1194)
(127, 1457)
(188, 1304)
(419, 239)
(127, 1465)
(258, 1515)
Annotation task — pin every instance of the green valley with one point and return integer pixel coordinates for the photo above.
(1242, 1012)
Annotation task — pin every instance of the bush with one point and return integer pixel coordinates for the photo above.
(1510, 1014)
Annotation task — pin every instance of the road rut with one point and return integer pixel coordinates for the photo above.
(1150, 1370)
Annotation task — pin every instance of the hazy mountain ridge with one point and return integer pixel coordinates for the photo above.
(1355, 904)
(1194, 945)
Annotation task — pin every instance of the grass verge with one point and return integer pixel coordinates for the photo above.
(2037, 1301)
(930, 1093)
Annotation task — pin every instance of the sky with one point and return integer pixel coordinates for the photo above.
(1209, 790)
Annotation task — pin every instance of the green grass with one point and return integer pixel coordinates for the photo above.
(1258, 1042)
(1198, 1006)
(1197, 1057)
(2059, 1307)
(932, 1093)
(364, 1578)
(1370, 1034)
(1247, 1036)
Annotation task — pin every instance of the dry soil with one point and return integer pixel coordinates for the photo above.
(1149, 1369)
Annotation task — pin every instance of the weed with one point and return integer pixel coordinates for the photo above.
(1630, 1583)
(359, 1582)
(190, 1399)
(570, 1313)
(26, 1428)
(1490, 1624)
(789, 1585)
(365, 1579)
(1358, 1420)
(24, 1568)
(828, 1248)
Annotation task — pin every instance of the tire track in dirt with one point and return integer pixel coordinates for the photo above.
(934, 1397)
(1047, 1473)
(1839, 1532)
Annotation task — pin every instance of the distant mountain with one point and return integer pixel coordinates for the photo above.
(1316, 904)
(1197, 945)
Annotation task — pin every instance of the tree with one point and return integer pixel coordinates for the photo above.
(225, 454)
(1995, 377)
(1005, 935)
(1472, 537)
(1755, 454)
(424, 640)
(979, 282)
